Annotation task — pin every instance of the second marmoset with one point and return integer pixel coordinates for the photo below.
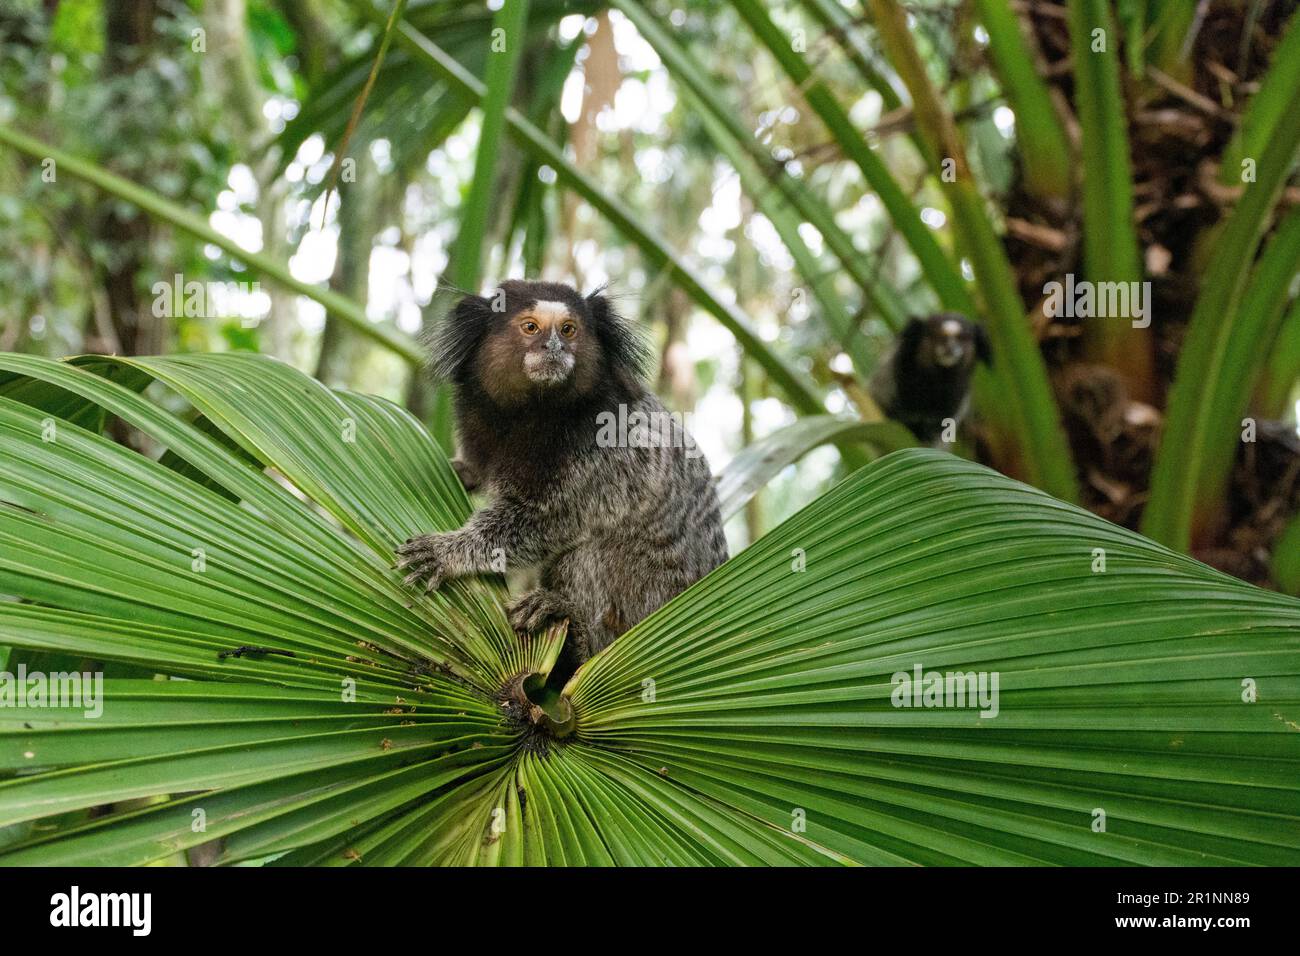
(924, 381)
(616, 527)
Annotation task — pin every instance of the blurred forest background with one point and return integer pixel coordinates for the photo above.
(773, 187)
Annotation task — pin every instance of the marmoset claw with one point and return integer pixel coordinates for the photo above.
(422, 556)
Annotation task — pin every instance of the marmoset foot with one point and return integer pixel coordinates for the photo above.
(536, 609)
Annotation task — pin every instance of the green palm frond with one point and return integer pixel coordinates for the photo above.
(758, 463)
(1043, 142)
(748, 721)
(1110, 239)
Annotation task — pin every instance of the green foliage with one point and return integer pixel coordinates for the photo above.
(187, 221)
(1189, 477)
(1042, 140)
(760, 462)
(751, 720)
(1110, 242)
(1286, 559)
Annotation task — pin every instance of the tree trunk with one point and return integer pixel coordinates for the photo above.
(128, 34)
(358, 217)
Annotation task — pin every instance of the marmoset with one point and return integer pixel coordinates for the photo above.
(617, 519)
(925, 378)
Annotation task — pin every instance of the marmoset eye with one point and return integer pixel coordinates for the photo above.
(530, 328)
(568, 330)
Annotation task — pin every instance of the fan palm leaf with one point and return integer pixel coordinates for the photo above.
(749, 721)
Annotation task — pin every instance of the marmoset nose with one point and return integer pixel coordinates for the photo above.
(554, 343)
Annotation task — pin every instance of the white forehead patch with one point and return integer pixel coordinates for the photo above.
(951, 327)
(547, 309)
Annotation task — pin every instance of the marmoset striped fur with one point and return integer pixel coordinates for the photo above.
(618, 519)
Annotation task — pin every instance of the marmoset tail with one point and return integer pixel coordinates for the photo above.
(590, 479)
(925, 378)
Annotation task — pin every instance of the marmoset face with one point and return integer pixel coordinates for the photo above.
(541, 346)
(950, 341)
(547, 331)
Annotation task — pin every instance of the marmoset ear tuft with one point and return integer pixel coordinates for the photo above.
(454, 342)
(622, 341)
(909, 339)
